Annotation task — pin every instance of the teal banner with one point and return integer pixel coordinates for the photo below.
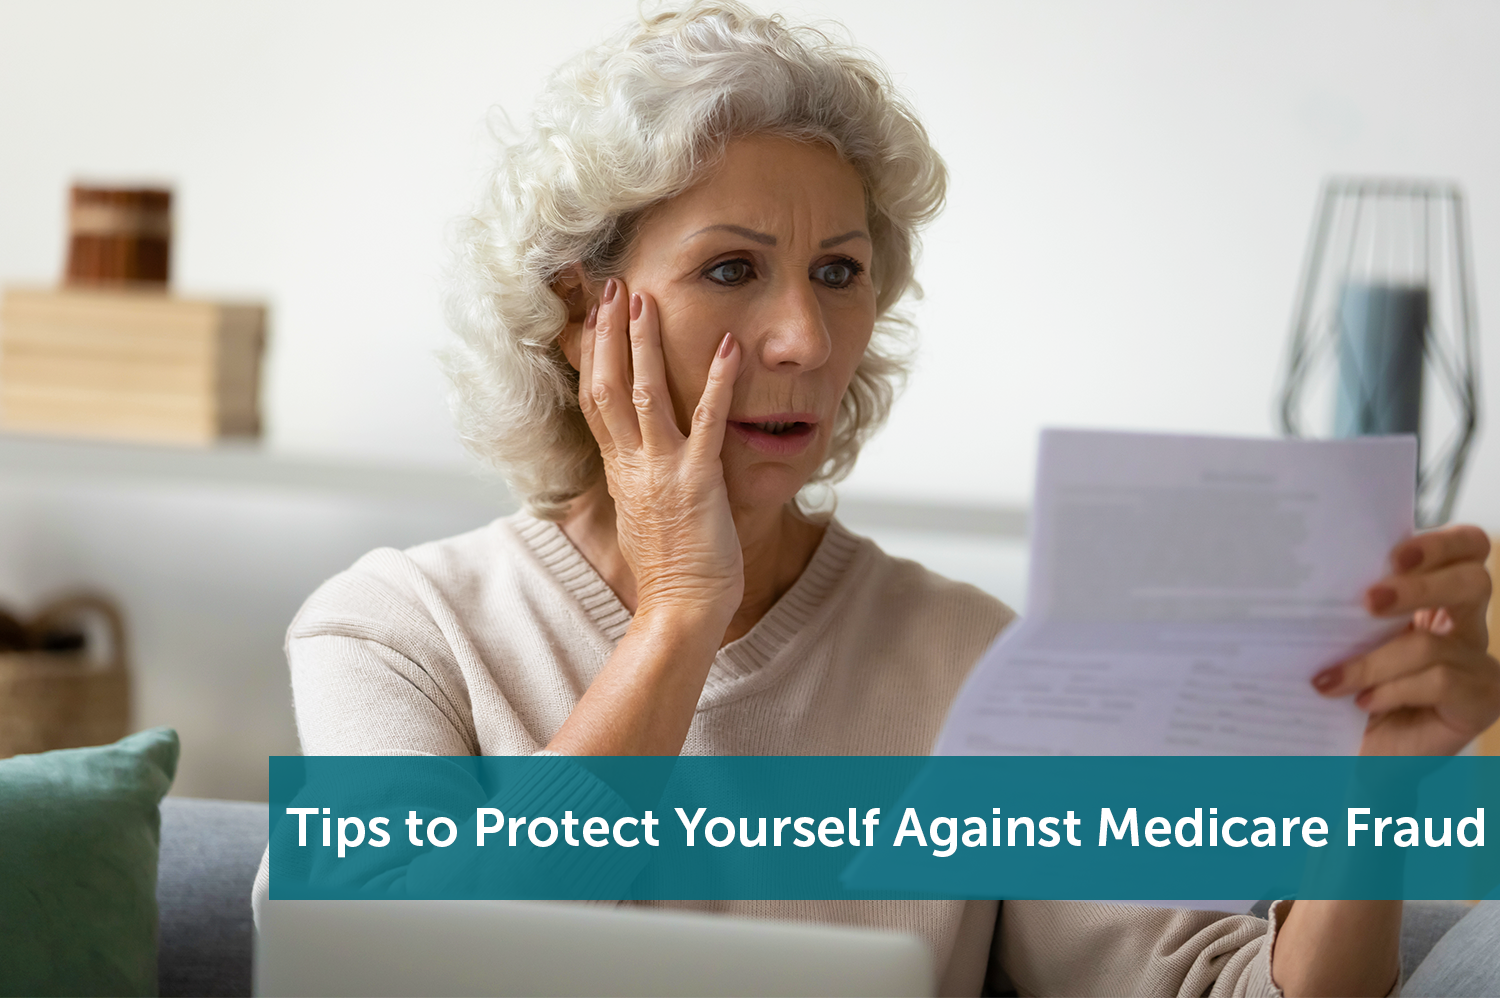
(1069, 828)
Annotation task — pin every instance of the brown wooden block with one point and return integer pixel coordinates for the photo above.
(129, 365)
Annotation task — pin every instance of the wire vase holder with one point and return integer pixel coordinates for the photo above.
(1384, 334)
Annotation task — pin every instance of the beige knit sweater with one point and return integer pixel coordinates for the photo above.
(483, 643)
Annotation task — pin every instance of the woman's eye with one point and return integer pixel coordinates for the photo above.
(840, 274)
(729, 272)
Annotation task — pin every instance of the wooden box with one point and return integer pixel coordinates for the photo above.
(119, 236)
(133, 365)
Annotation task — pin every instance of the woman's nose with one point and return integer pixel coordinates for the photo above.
(795, 333)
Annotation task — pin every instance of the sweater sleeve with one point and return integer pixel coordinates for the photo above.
(383, 662)
(1082, 948)
(355, 696)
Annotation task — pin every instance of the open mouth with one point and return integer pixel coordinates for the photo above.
(785, 436)
(778, 428)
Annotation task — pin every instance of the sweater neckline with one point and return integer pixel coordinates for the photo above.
(745, 657)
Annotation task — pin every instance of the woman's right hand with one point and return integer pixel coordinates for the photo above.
(672, 514)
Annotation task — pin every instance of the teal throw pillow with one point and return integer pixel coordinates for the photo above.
(79, 831)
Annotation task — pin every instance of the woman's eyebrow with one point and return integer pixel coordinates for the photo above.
(766, 239)
(763, 238)
(835, 240)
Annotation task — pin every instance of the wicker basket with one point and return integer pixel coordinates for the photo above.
(52, 700)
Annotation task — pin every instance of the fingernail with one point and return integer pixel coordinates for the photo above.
(1328, 678)
(1380, 598)
(635, 307)
(1408, 559)
(610, 287)
(593, 312)
(726, 346)
(1363, 700)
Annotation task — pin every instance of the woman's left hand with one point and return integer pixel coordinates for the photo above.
(1434, 687)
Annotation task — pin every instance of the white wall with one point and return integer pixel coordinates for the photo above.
(1132, 188)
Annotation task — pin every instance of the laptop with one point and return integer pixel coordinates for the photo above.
(442, 948)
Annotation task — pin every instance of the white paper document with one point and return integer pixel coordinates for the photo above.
(1183, 593)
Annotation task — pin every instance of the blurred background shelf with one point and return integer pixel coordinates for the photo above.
(240, 464)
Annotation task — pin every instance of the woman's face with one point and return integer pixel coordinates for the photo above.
(774, 248)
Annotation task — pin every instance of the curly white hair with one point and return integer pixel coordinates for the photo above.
(621, 128)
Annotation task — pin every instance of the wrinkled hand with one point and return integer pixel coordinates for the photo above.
(1434, 687)
(672, 512)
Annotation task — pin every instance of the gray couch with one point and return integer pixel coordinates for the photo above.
(210, 850)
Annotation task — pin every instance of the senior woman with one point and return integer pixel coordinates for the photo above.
(676, 313)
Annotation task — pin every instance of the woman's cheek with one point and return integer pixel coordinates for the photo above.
(689, 338)
(853, 343)
(687, 374)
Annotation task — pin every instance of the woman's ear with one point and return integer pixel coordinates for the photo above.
(578, 296)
